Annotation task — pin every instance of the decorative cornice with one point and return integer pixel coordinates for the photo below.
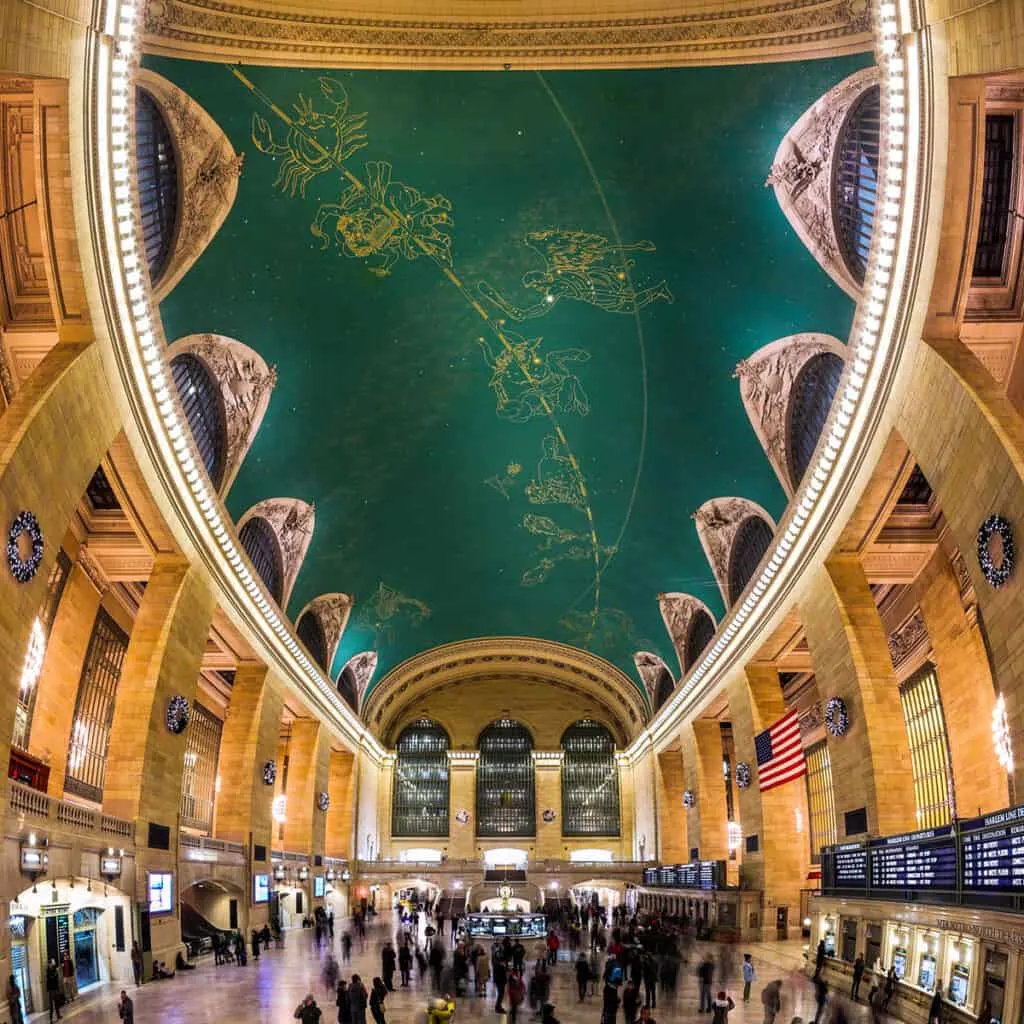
(908, 638)
(267, 34)
(548, 757)
(89, 564)
(464, 756)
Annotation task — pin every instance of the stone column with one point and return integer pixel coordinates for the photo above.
(966, 687)
(341, 790)
(145, 759)
(702, 759)
(627, 807)
(462, 797)
(674, 845)
(547, 769)
(62, 670)
(779, 865)
(850, 651)
(309, 752)
(249, 740)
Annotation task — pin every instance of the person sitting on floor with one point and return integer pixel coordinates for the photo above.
(160, 971)
(181, 964)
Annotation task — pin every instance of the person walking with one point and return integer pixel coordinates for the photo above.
(518, 957)
(645, 1016)
(126, 1009)
(771, 1000)
(819, 958)
(357, 999)
(377, 997)
(748, 976)
(553, 943)
(54, 987)
(346, 948)
(500, 974)
(858, 973)
(935, 1010)
(14, 1001)
(481, 970)
(387, 966)
(307, 1011)
(516, 995)
(890, 987)
(630, 1002)
(609, 1004)
(820, 999)
(67, 970)
(342, 1003)
(582, 975)
(254, 944)
(649, 969)
(720, 1008)
(705, 976)
(405, 964)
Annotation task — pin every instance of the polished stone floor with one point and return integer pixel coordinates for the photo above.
(268, 991)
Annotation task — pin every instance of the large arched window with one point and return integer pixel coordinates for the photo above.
(810, 400)
(204, 409)
(702, 629)
(311, 633)
(419, 803)
(590, 781)
(260, 544)
(666, 684)
(347, 688)
(504, 781)
(157, 180)
(748, 548)
(855, 182)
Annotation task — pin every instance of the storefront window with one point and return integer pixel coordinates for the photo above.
(850, 939)
(928, 965)
(959, 981)
(995, 984)
(873, 945)
(828, 934)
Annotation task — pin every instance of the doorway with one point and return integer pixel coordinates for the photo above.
(782, 922)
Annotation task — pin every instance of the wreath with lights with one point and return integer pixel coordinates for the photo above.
(837, 718)
(743, 775)
(178, 713)
(689, 798)
(23, 569)
(462, 817)
(549, 815)
(269, 773)
(323, 800)
(996, 526)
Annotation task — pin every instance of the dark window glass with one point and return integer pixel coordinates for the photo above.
(752, 540)
(855, 186)
(260, 543)
(701, 632)
(311, 633)
(158, 182)
(204, 409)
(996, 190)
(419, 804)
(94, 709)
(504, 782)
(347, 688)
(813, 390)
(662, 692)
(101, 494)
(199, 778)
(917, 490)
(590, 781)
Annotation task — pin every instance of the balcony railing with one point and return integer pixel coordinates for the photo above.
(194, 842)
(32, 803)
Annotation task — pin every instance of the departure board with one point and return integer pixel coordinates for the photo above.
(701, 874)
(850, 866)
(914, 861)
(992, 851)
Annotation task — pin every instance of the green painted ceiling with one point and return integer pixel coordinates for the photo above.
(535, 476)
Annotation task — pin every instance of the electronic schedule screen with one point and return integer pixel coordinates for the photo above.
(924, 860)
(846, 867)
(992, 852)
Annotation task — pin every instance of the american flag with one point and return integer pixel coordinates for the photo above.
(780, 753)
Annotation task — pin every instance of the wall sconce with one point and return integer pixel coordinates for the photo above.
(110, 865)
(34, 859)
(346, 875)
(279, 873)
(303, 873)
(330, 875)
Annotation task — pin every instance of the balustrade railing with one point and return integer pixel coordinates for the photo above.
(31, 802)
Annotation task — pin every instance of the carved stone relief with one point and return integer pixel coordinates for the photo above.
(801, 174)
(362, 666)
(718, 521)
(208, 172)
(293, 521)
(246, 383)
(650, 668)
(766, 380)
(332, 611)
(907, 639)
(677, 612)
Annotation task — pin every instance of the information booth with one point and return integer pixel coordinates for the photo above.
(525, 926)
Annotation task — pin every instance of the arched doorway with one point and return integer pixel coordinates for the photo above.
(90, 920)
(212, 905)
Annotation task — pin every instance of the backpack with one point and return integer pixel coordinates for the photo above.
(615, 976)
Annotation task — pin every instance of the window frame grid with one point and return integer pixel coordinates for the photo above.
(203, 405)
(753, 530)
(199, 776)
(587, 772)
(928, 739)
(157, 182)
(266, 557)
(855, 195)
(420, 802)
(702, 625)
(997, 193)
(808, 413)
(94, 708)
(513, 777)
(821, 800)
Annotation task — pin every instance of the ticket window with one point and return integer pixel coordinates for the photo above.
(960, 955)
(898, 952)
(927, 962)
(828, 935)
(994, 985)
(849, 948)
(872, 946)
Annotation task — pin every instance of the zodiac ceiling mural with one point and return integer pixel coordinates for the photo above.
(504, 311)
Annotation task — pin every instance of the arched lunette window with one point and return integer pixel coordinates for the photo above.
(157, 171)
(699, 635)
(203, 406)
(419, 803)
(311, 633)
(662, 692)
(748, 548)
(590, 781)
(505, 803)
(810, 400)
(347, 688)
(855, 181)
(260, 544)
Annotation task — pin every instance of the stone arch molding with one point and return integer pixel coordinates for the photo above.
(332, 612)
(802, 174)
(208, 173)
(718, 521)
(766, 382)
(361, 668)
(292, 521)
(678, 612)
(246, 384)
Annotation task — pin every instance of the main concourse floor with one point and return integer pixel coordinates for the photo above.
(270, 989)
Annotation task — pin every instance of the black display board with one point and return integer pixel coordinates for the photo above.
(992, 852)
(914, 861)
(701, 874)
(846, 867)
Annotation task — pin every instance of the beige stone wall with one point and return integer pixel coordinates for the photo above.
(702, 760)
